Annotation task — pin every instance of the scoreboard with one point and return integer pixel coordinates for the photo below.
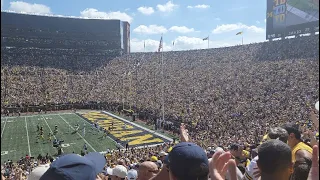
(291, 17)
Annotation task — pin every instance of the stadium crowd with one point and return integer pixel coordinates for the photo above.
(238, 88)
(228, 98)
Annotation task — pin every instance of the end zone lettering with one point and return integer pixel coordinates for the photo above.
(122, 131)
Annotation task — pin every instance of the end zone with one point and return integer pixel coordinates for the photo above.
(125, 131)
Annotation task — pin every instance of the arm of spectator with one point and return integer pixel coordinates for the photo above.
(314, 171)
(314, 118)
(303, 154)
(220, 163)
(184, 135)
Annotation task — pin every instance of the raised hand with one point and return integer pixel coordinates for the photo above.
(314, 171)
(220, 163)
(184, 135)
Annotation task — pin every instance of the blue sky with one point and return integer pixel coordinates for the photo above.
(186, 22)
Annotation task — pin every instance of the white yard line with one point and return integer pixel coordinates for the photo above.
(50, 130)
(4, 126)
(78, 134)
(116, 143)
(49, 127)
(25, 120)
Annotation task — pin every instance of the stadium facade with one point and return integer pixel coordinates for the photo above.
(52, 41)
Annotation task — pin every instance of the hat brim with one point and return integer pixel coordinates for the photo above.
(98, 160)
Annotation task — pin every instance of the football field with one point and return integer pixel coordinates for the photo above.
(19, 135)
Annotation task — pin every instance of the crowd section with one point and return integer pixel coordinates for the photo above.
(227, 98)
(237, 87)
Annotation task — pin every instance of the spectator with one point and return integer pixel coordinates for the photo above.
(301, 169)
(118, 173)
(132, 175)
(73, 166)
(275, 160)
(147, 170)
(252, 171)
(187, 161)
(299, 149)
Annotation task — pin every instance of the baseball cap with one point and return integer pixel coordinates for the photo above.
(154, 159)
(188, 161)
(162, 153)
(38, 172)
(74, 166)
(132, 174)
(119, 171)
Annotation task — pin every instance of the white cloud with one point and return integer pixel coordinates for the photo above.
(239, 26)
(200, 6)
(181, 29)
(152, 29)
(94, 13)
(188, 43)
(146, 10)
(137, 45)
(20, 6)
(168, 7)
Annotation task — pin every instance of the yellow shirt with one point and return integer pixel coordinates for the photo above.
(300, 146)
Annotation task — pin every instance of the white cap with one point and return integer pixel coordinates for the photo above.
(119, 171)
(317, 105)
(162, 153)
(38, 172)
(132, 174)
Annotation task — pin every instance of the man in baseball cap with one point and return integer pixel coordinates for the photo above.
(118, 173)
(188, 161)
(73, 166)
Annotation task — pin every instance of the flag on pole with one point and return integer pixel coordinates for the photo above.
(239, 33)
(160, 44)
(206, 38)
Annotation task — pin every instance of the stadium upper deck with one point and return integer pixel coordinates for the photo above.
(45, 38)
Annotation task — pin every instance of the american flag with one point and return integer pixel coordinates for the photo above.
(160, 45)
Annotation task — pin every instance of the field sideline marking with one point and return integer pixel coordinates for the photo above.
(78, 133)
(4, 126)
(25, 120)
(11, 117)
(116, 144)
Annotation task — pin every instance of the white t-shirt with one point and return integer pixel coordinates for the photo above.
(251, 169)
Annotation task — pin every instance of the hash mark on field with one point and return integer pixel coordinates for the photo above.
(78, 133)
(25, 120)
(4, 126)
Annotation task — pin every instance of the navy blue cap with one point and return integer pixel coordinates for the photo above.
(75, 167)
(188, 161)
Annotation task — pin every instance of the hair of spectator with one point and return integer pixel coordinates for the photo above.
(292, 128)
(274, 156)
(278, 133)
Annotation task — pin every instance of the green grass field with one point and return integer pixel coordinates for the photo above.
(18, 136)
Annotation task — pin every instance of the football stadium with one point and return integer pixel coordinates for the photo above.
(77, 103)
